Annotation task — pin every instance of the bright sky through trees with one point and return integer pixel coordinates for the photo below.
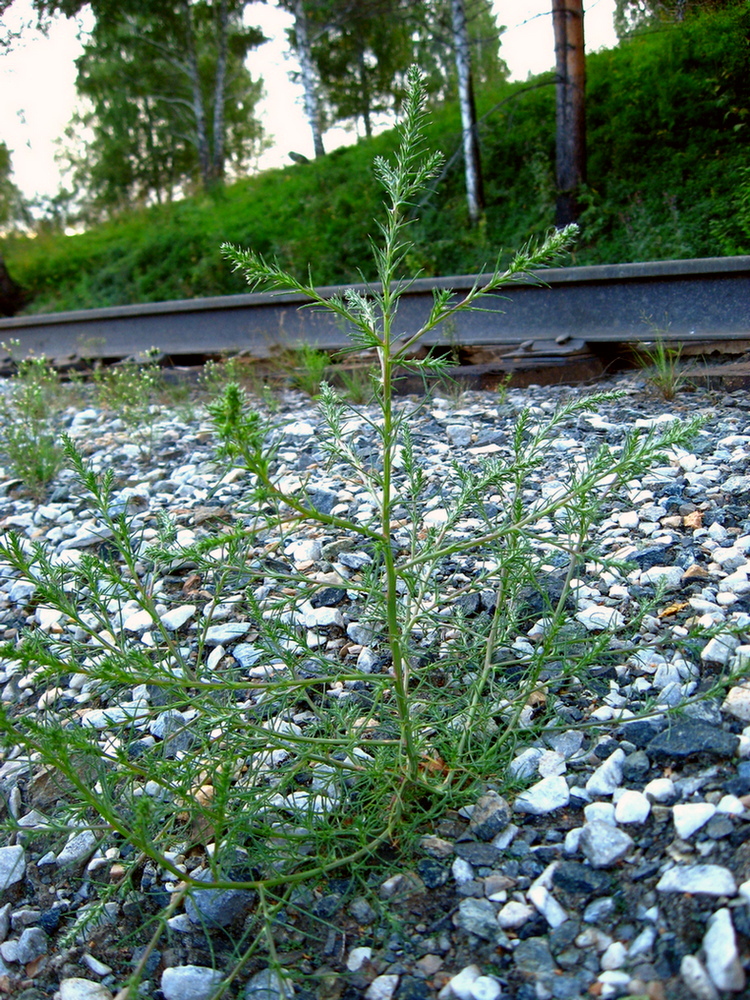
(37, 81)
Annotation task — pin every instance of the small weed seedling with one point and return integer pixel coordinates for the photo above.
(131, 389)
(662, 363)
(275, 765)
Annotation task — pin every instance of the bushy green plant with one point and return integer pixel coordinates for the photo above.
(279, 765)
(29, 435)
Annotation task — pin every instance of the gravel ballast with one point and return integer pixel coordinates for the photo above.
(615, 863)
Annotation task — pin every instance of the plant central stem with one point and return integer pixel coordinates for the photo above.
(393, 622)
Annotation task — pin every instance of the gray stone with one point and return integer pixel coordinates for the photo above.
(709, 880)
(360, 633)
(604, 845)
(217, 907)
(697, 979)
(459, 434)
(534, 957)
(723, 962)
(382, 987)
(32, 943)
(719, 649)
(737, 702)
(114, 715)
(544, 797)
(736, 484)
(608, 776)
(246, 654)
(361, 910)
(355, 560)
(691, 816)
(221, 635)
(268, 985)
(322, 499)
(598, 618)
(632, 807)
(567, 743)
(477, 916)
(547, 905)
(580, 880)
(491, 815)
(461, 984)
(669, 577)
(83, 989)
(686, 738)
(12, 866)
(189, 982)
(526, 763)
(79, 847)
(177, 617)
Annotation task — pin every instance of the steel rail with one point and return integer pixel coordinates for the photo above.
(685, 300)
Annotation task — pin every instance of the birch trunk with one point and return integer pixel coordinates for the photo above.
(220, 87)
(199, 111)
(309, 79)
(472, 160)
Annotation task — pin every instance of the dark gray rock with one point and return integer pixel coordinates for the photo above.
(636, 766)
(479, 917)
(432, 873)
(688, 738)
(534, 957)
(217, 907)
(478, 854)
(581, 880)
(491, 815)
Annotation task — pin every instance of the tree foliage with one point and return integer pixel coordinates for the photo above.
(362, 50)
(170, 101)
(635, 15)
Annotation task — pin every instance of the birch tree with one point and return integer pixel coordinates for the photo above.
(470, 136)
(308, 75)
(170, 101)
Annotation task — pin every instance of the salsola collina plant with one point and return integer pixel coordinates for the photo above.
(280, 764)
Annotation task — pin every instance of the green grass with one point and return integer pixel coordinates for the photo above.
(669, 148)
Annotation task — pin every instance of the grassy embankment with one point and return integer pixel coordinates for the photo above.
(669, 177)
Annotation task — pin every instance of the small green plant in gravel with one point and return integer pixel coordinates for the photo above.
(661, 361)
(29, 433)
(284, 765)
(309, 367)
(356, 383)
(132, 388)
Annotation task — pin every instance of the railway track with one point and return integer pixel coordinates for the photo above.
(570, 323)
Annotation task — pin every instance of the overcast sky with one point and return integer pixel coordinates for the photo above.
(37, 92)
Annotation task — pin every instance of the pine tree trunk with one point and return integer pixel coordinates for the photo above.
(472, 160)
(309, 79)
(570, 61)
